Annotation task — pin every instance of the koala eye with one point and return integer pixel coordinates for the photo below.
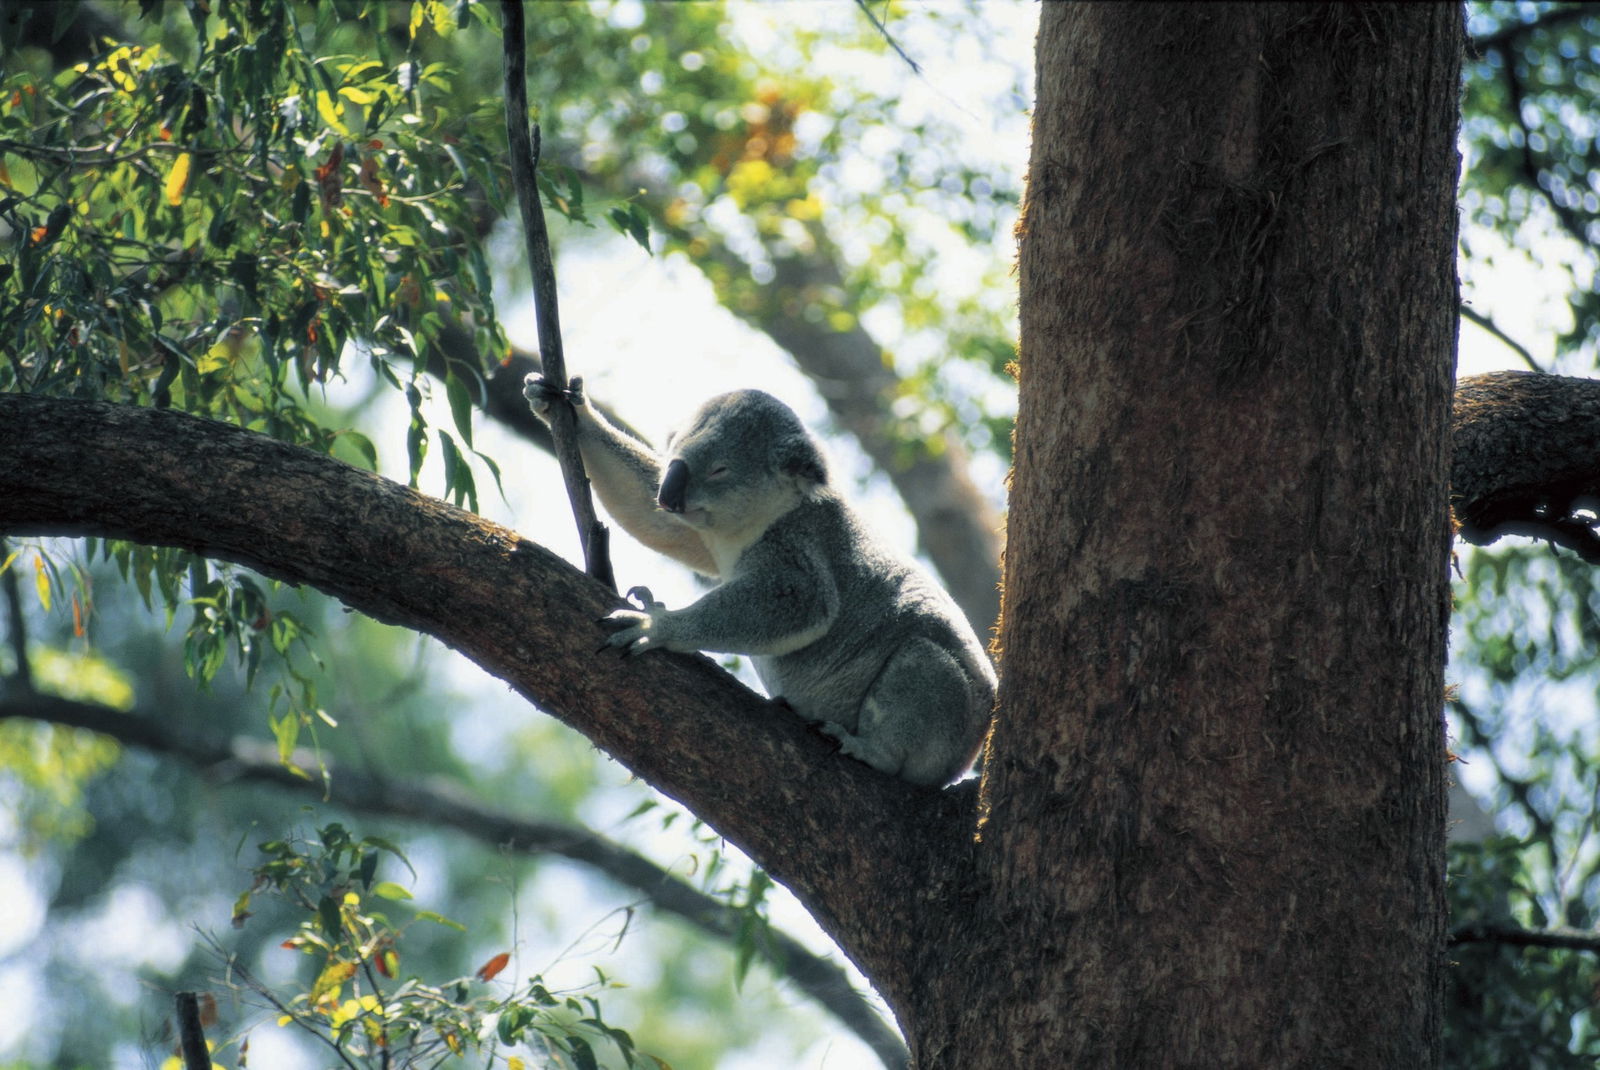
(717, 471)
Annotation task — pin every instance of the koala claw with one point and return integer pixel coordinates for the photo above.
(632, 634)
(537, 389)
(641, 597)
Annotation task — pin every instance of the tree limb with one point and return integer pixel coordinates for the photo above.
(1473, 315)
(439, 803)
(17, 628)
(863, 852)
(1549, 20)
(524, 153)
(191, 1034)
(1526, 459)
(1517, 936)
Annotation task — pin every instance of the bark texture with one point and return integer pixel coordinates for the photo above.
(1214, 824)
(1526, 459)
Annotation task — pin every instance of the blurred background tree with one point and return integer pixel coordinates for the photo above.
(292, 217)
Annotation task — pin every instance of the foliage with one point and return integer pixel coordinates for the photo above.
(1514, 1006)
(362, 1007)
(1531, 144)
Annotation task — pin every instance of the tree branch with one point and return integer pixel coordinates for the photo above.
(441, 804)
(863, 852)
(191, 1034)
(1548, 21)
(1526, 459)
(21, 679)
(1517, 936)
(524, 153)
(1473, 315)
(1532, 167)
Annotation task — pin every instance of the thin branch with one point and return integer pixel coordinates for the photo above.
(441, 804)
(1521, 791)
(524, 151)
(1517, 936)
(1469, 313)
(1531, 168)
(1505, 35)
(288, 1013)
(191, 1035)
(877, 22)
(16, 628)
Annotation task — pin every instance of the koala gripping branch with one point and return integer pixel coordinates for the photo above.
(524, 152)
(842, 837)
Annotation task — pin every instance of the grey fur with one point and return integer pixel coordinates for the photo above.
(856, 639)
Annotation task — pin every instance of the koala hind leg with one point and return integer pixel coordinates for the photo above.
(916, 720)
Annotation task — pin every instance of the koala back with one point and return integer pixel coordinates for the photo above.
(898, 663)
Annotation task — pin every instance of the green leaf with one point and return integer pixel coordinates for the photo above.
(631, 221)
(363, 445)
(41, 582)
(440, 919)
(391, 890)
(286, 730)
(460, 405)
(583, 1054)
(329, 918)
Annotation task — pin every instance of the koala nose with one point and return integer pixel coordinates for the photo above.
(673, 482)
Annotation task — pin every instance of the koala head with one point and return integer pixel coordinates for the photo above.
(744, 457)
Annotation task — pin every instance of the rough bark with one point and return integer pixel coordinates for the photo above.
(1215, 791)
(1526, 459)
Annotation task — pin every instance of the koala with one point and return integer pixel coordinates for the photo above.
(863, 644)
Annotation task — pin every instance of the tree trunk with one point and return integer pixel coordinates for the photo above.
(1214, 798)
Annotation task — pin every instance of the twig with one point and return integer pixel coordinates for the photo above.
(524, 150)
(867, 11)
(1549, 20)
(1570, 221)
(1469, 313)
(191, 1035)
(22, 676)
(1517, 936)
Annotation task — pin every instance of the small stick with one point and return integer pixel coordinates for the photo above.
(524, 164)
(191, 1034)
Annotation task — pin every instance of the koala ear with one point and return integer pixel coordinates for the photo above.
(798, 456)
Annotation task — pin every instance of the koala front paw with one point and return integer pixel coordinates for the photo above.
(635, 631)
(540, 394)
(632, 631)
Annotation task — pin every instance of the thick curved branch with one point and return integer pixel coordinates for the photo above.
(860, 850)
(1526, 459)
(439, 803)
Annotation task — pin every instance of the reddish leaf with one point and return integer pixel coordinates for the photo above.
(493, 966)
